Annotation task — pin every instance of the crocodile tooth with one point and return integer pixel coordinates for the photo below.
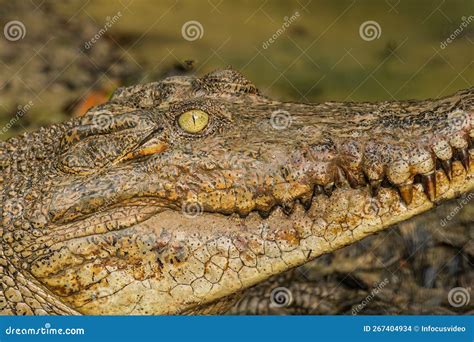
(375, 187)
(447, 167)
(362, 179)
(340, 177)
(306, 201)
(328, 189)
(318, 189)
(463, 156)
(429, 185)
(243, 214)
(406, 191)
(288, 207)
(353, 182)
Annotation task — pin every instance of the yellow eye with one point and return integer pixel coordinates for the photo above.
(193, 121)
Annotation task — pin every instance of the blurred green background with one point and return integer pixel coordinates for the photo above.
(319, 56)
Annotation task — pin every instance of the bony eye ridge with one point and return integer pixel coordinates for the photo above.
(193, 121)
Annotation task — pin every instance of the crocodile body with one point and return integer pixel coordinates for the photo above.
(176, 196)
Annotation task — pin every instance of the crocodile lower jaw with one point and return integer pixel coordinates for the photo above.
(176, 263)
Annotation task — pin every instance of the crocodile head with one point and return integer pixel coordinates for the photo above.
(176, 195)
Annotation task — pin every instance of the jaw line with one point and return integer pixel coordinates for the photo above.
(251, 250)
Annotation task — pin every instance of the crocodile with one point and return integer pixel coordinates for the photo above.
(176, 196)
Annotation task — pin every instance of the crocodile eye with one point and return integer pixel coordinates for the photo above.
(193, 121)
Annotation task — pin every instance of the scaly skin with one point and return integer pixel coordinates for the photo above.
(413, 268)
(122, 212)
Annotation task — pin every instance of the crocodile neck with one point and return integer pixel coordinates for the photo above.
(23, 164)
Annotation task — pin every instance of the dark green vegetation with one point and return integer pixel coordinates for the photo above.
(320, 56)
